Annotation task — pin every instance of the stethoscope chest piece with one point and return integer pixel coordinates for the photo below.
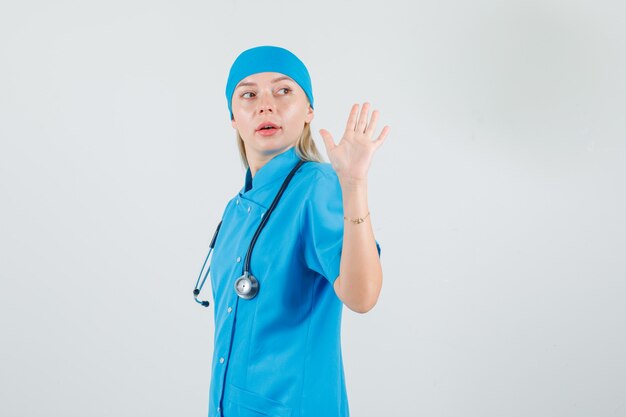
(246, 286)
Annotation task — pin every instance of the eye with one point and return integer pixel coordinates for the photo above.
(285, 88)
(247, 92)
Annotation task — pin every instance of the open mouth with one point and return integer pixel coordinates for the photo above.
(268, 132)
(267, 129)
(267, 126)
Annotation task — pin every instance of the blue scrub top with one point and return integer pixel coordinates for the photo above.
(279, 354)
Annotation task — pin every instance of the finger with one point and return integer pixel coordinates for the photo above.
(360, 127)
(329, 143)
(381, 138)
(372, 124)
(351, 125)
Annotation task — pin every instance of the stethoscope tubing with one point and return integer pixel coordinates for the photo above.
(197, 289)
(266, 217)
(246, 265)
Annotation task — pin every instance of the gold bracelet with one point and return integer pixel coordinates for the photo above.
(358, 219)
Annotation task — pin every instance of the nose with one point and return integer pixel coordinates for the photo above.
(266, 104)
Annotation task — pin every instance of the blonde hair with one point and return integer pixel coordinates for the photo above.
(305, 147)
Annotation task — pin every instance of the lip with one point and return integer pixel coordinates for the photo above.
(267, 124)
(268, 132)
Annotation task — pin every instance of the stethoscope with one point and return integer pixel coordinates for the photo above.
(246, 286)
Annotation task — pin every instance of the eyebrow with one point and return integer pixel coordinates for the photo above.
(275, 80)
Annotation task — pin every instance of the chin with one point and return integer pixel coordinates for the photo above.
(271, 142)
(269, 145)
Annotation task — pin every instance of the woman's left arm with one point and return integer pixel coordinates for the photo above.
(360, 277)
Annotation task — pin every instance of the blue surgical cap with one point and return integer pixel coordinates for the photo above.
(267, 59)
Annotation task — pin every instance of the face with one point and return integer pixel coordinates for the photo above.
(269, 97)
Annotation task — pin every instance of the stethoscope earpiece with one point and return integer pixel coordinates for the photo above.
(196, 292)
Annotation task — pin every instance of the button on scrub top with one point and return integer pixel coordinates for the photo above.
(279, 354)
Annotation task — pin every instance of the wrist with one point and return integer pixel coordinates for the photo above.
(352, 183)
(357, 220)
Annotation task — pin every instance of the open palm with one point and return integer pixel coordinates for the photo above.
(352, 156)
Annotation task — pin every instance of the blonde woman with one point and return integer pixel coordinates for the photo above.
(294, 245)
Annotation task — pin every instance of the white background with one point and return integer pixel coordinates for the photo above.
(498, 199)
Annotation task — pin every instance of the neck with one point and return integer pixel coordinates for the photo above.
(256, 164)
(257, 161)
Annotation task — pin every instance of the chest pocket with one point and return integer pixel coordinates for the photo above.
(243, 403)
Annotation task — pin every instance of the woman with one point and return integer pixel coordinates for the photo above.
(278, 305)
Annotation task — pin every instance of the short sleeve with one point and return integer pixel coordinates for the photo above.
(322, 226)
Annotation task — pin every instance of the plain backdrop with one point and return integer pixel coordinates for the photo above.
(498, 199)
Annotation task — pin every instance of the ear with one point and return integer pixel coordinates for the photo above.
(309, 114)
(233, 123)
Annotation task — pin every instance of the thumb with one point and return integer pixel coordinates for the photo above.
(328, 140)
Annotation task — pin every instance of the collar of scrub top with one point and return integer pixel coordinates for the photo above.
(279, 164)
(274, 170)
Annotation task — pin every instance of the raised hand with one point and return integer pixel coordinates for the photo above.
(352, 156)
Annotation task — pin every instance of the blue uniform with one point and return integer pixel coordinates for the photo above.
(279, 354)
